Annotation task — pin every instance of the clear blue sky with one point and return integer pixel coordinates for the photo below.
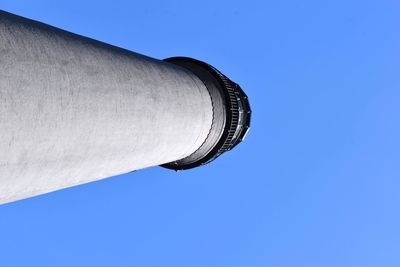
(316, 183)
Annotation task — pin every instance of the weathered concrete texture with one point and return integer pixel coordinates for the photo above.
(74, 110)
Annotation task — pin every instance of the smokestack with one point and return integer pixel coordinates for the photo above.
(75, 110)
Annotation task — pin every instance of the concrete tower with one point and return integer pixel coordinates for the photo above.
(75, 110)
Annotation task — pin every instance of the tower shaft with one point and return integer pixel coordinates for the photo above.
(75, 110)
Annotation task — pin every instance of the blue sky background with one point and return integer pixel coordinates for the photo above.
(316, 182)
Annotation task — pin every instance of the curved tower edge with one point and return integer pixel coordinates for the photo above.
(231, 114)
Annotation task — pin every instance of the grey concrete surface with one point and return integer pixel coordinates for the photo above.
(74, 110)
